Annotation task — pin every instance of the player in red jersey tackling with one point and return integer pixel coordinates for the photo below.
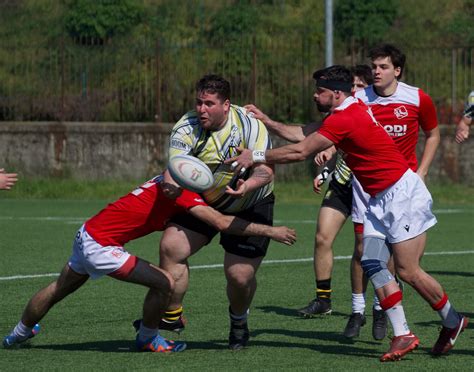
(399, 210)
(98, 250)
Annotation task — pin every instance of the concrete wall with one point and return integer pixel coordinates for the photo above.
(139, 150)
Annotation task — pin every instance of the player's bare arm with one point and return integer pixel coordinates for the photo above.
(462, 129)
(315, 142)
(431, 144)
(292, 133)
(261, 175)
(237, 226)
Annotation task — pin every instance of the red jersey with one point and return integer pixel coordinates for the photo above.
(370, 153)
(401, 115)
(141, 212)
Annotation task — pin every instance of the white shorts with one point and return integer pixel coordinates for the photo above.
(401, 212)
(360, 201)
(90, 258)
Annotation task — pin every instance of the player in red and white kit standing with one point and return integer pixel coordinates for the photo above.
(399, 210)
(403, 111)
(98, 250)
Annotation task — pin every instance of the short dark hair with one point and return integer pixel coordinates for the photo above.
(364, 73)
(340, 75)
(388, 50)
(214, 84)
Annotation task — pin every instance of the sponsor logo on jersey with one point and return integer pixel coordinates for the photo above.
(177, 144)
(395, 130)
(401, 112)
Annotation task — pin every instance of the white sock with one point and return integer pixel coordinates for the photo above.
(358, 303)
(377, 303)
(398, 320)
(449, 315)
(21, 330)
(146, 333)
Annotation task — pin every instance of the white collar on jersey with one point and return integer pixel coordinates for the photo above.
(346, 103)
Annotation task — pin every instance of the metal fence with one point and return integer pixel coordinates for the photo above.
(153, 80)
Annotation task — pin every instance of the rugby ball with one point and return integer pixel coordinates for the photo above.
(190, 173)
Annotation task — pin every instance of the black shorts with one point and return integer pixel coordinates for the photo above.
(244, 246)
(339, 197)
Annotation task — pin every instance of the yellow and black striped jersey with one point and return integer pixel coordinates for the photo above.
(342, 173)
(213, 147)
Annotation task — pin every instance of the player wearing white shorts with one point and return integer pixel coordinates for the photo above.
(403, 111)
(399, 208)
(98, 250)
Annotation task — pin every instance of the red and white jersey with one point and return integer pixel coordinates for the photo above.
(370, 153)
(141, 212)
(401, 115)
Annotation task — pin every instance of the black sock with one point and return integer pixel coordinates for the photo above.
(323, 289)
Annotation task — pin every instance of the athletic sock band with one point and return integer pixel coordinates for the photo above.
(438, 306)
(390, 301)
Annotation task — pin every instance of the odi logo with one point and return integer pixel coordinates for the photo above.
(396, 130)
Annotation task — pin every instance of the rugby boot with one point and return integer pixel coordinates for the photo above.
(239, 335)
(316, 307)
(399, 347)
(354, 324)
(448, 336)
(379, 324)
(13, 340)
(159, 344)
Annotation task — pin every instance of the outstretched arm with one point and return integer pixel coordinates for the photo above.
(281, 155)
(292, 133)
(237, 226)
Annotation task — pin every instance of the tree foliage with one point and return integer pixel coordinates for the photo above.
(366, 21)
(101, 19)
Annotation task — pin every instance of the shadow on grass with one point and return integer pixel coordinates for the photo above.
(293, 312)
(437, 322)
(122, 346)
(451, 273)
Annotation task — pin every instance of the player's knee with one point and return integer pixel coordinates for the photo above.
(240, 279)
(377, 272)
(410, 276)
(323, 242)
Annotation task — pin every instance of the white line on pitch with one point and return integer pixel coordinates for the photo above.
(82, 219)
(265, 262)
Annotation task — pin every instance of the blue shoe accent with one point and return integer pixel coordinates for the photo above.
(159, 344)
(12, 340)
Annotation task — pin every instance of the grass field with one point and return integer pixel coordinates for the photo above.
(91, 330)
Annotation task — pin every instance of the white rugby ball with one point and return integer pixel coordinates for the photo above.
(191, 173)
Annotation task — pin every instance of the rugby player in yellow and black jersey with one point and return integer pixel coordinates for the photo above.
(213, 132)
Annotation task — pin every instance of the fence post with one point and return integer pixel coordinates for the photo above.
(62, 61)
(453, 80)
(253, 83)
(158, 113)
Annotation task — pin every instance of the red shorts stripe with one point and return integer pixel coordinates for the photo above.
(391, 301)
(441, 303)
(126, 268)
